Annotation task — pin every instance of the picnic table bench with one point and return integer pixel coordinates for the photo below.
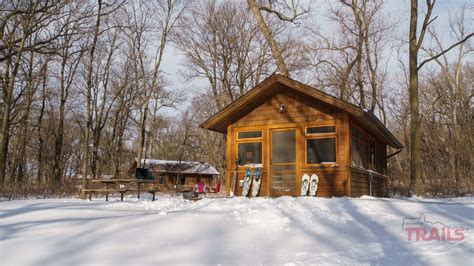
(122, 186)
(138, 186)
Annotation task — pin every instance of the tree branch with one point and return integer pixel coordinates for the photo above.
(280, 15)
(445, 51)
(427, 21)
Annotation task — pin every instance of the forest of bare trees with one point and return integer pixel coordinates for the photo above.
(85, 88)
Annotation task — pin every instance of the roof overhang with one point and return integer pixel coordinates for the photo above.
(370, 121)
(180, 167)
(275, 84)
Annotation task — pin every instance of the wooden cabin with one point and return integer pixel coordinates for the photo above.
(182, 175)
(290, 128)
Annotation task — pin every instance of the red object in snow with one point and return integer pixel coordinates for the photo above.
(200, 187)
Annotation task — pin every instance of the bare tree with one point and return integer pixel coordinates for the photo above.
(103, 97)
(272, 8)
(70, 54)
(120, 114)
(20, 22)
(40, 158)
(350, 61)
(89, 86)
(415, 44)
(168, 13)
(224, 50)
(31, 73)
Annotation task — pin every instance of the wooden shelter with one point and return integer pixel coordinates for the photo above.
(181, 174)
(290, 129)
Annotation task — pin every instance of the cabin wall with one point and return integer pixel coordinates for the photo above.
(359, 172)
(333, 180)
(380, 161)
(189, 179)
(298, 110)
(360, 184)
(299, 113)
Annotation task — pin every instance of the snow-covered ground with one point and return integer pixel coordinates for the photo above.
(230, 231)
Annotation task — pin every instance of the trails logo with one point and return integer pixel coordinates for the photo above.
(419, 229)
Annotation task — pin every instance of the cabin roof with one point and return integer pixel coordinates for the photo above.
(277, 83)
(180, 167)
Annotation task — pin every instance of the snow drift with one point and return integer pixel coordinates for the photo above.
(237, 230)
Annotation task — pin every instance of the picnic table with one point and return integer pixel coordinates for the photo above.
(122, 186)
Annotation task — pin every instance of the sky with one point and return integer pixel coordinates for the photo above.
(173, 60)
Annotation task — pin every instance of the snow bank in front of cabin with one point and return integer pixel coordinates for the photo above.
(237, 230)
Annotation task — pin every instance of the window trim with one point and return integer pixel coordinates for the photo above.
(251, 141)
(372, 165)
(270, 143)
(321, 164)
(238, 141)
(363, 133)
(246, 139)
(321, 136)
(311, 135)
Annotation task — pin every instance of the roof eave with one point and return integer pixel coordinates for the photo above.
(391, 139)
(216, 122)
(321, 96)
(212, 122)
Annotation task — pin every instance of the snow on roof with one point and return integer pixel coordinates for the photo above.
(181, 167)
(79, 176)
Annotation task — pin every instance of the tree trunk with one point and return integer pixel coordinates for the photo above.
(40, 176)
(360, 44)
(58, 142)
(4, 137)
(415, 131)
(141, 144)
(282, 68)
(95, 152)
(24, 134)
(164, 37)
(88, 101)
(7, 102)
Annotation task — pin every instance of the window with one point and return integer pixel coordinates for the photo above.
(284, 146)
(321, 144)
(358, 148)
(380, 158)
(250, 135)
(372, 153)
(284, 178)
(321, 150)
(250, 152)
(181, 179)
(319, 130)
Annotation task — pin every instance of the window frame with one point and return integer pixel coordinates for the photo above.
(363, 140)
(252, 142)
(321, 136)
(271, 147)
(372, 164)
(313, 135)
(284, 179)
(249, 140)
(321, 163)
(247, 131)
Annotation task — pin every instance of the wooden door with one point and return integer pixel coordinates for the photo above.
(283, 162)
